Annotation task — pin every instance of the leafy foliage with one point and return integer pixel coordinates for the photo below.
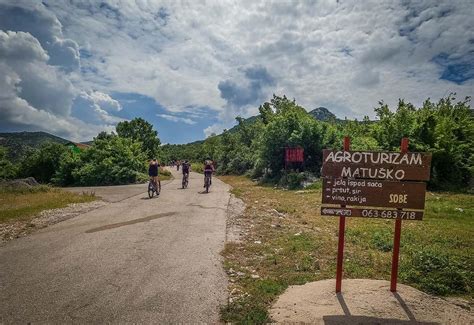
(256, 145)
(43, 163)
(110, 160)
(141, 131)
(7, 169)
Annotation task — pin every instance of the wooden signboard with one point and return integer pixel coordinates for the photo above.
(370, 184)
(375, 193)
(396, 166)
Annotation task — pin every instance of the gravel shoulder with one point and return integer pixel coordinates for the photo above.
(20, 228)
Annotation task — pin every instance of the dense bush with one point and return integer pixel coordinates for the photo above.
(7, 169)
(43, 163)
(256, 146)
(110, 161)
(446, 129)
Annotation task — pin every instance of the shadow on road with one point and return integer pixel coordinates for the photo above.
(150, 198)
(130, 222)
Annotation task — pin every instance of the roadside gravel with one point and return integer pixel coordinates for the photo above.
(19, 228)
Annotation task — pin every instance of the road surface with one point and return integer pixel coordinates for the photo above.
(134, 260)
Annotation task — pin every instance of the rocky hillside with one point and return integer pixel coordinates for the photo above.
(322, 114)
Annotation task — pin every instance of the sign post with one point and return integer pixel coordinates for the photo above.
(342, 229)
(397, 235)
(374, 185)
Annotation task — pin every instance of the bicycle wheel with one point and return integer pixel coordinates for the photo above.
(207, 184)
(151, 191)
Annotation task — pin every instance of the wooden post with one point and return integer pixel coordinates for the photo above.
(342, 227)
(397, 235)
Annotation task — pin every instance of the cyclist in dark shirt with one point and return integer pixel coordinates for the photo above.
(185, 167)
(208, 170)
(153, 171)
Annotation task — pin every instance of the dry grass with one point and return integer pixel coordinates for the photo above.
(287, 242)
(23, 205)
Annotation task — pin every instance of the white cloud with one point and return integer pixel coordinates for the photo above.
(345, 55)
(37, 96)
(176, 119)
(96, 107)
(348, 54)
(34, 18)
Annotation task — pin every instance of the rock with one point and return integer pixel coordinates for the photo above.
(21, 183)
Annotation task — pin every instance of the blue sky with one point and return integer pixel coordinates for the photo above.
(75, 68)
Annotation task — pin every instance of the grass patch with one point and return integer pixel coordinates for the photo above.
(22, 204)
(287, 242)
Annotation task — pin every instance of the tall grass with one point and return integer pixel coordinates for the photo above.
(24, 203)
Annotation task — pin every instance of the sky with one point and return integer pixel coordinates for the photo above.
(75, 68)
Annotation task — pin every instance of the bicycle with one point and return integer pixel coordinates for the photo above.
(185, 181)
(153, 189)
(207, 181)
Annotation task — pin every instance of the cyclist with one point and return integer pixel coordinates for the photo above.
(208, 170)
(185, 167)
(153, 170)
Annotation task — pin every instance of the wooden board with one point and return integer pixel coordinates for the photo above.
(376, 165)
(374, 193)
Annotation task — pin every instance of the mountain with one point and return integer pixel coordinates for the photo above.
(322, 114)
(19, 143)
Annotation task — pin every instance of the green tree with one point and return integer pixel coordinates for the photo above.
(142, 131)
(7, 169)
(43, 163)
(290, 126)
(445, 129)
(109, 161)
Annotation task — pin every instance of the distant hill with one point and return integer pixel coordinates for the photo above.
(19, 143)
(322, 114)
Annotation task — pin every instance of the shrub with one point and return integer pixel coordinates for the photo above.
(7, 169)
(110, 161)
(293, 180)
(44, 162)
(197, 167)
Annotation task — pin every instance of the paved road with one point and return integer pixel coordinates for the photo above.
(137, 260)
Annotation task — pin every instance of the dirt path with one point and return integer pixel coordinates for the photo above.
(133, 260)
